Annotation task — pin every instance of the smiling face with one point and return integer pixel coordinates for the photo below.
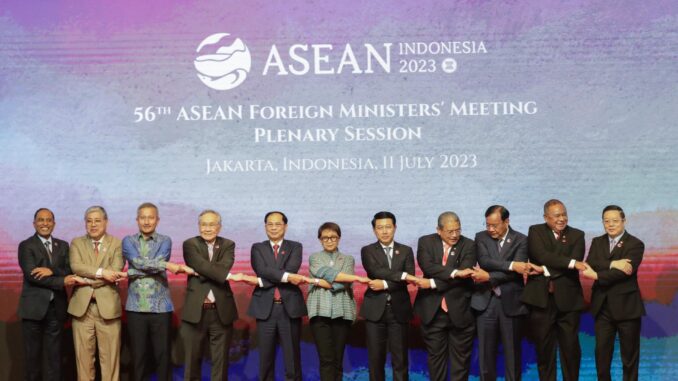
(147, 220)
(450, 231)
(613, 223)
(556, 217)
(275, 227)
(44, 223)
(209, 225)
(330, 240)
(95, 223)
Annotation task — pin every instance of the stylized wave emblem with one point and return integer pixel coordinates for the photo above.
(225, 67)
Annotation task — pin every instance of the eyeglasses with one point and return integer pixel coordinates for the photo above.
(452, 232)
(274, 224)
(329, 239)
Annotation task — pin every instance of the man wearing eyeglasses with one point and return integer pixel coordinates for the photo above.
(444, 298)
(553, 291)
(277, 302)
(502, 256)
(616, 304)
(209, 307)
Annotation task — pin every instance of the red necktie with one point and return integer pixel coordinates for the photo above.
(96, 248)
(276, 293)
(446, 251)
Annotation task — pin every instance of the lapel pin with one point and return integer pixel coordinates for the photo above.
(282, 252)
(397, 252)
(620, 244)
(216, 246)
(508, 240)
(55, 244)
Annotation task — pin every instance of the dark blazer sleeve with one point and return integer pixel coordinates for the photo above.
(270, 275)
(374, 269)
(634, 251)
(203, 266)
(30, 257)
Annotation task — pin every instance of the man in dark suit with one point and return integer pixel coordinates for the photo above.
(502, 256)
(444, 297)
(387, 307)
(554, 293)
(209, 307)
(42, 307)
(616, 303)
(277, 302)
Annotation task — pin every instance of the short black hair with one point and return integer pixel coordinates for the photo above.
(497, 208)
(383, 215)
(329, 226)
(284, 217)
(614, 207)
(35, 215)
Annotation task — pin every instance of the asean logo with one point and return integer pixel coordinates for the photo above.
(223, 64)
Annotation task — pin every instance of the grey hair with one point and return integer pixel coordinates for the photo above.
(445, 216)
(209, 211)
(148, 205)
(96, 208)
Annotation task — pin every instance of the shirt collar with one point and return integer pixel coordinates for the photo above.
(503, 239)
(617, 238)
(43, 239)
(385, 246)
(279, 243)
(153, 237)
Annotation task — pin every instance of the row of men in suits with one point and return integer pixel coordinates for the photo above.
(466, 287)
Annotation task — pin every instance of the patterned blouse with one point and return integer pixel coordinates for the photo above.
(338, 301)
(148, 288)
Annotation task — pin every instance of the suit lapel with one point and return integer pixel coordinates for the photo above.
(283, 253)
(617, 248)
(43, 249)
(103, 249)
(216, 252)
(379, 254)
(508, 244)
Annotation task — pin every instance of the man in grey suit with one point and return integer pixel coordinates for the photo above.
(42, 307)
(502, 256)
(209, 307)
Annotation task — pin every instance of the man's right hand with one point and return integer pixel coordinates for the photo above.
(113, 276)
(623, 265)
(535, 269)
(521, 267)
(295, 279)
(173, 267)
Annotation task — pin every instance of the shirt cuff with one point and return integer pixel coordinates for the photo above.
(511, 266)
(571, 264)
(385, 285)
(284, 277)
(99, 273)
(433, 284)
(454, 272)
(260, 282)
(404, 276)
(546, 271)
(228, 277)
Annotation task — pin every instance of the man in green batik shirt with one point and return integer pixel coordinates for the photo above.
(149, 306)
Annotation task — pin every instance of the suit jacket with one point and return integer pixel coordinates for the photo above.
(544, 250)
(212, 277)
(375, 263)
(620, 290)
(497, 263)
(457, 292)
(85, 264)
(270, 270)
(36, 293)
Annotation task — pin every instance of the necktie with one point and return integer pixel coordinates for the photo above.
(96, 248)
(446, 253)
(612, 241)
(387, 250)
(500, 243)
(276, 293)
(48, 246)
(210, 295)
